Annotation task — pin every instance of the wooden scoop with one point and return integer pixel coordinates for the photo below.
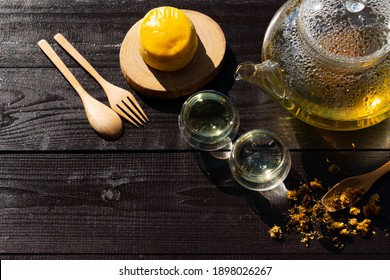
(350, 190)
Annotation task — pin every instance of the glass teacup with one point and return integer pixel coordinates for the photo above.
(208, 120)
(259, 160)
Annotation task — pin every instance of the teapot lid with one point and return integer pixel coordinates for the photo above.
(351, 32)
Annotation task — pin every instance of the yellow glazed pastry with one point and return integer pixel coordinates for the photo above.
(167, 39)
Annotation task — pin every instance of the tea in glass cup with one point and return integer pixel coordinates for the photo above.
(208, 120)
(259, 160)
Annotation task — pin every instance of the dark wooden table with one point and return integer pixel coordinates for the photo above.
(67, 193)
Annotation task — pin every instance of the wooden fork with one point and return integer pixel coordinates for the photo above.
(121, 100)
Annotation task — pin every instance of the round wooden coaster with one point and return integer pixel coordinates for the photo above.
(165, 84)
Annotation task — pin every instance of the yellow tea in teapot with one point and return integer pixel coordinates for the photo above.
(328, 62)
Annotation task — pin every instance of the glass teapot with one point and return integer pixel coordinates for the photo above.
(327, 62)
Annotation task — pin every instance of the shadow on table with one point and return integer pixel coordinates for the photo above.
(223, 82)
(269, 205)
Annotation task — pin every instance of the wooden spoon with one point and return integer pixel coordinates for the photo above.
(101, 118)
(353, 189)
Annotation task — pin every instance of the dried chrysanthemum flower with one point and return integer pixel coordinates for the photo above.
(354, 211)
(338, 225)
(300, 221)
(276, 232)
(292, 195)
(353, 222)
(318, 209)
(306, 237)
(344, 232)
(307, 213)
(345, 198)
(364, 227)
(316, 184)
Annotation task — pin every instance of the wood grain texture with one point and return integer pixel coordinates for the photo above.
(41, 111)
(99, 27)
(67, 193)
(136, 203)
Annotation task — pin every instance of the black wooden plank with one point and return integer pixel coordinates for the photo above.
(161, 204)
(97, 28)
(67, 193)
(40, 111)
(239, 256)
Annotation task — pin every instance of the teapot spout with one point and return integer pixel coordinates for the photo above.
(267, 75)
(245, 71)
